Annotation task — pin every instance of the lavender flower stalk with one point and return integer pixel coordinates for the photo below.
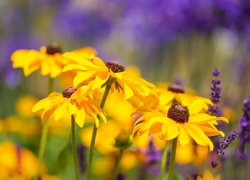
(215, 94)
(223, 145)
(244, 130)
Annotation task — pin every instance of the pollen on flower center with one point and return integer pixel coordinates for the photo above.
(52, 49)
(115, 66)
(178, 113)
(176, 88)
(68, 92)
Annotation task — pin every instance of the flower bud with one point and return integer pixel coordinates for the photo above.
(124, 139)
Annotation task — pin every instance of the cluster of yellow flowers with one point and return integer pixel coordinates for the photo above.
(91, 83)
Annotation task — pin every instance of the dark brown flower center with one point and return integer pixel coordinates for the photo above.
(115, 66)
(178, 113)
(52, 49)
(68, 92)
(176, 88)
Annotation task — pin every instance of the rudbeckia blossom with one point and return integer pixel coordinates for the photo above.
(49, 60)
(177, 93)
(180, 121)
(73, 102)
(94, 72)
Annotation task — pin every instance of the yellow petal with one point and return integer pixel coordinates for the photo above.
(183, 136)
(79, 59)
(100, 79)
(208, 175)
(76, 67)
(198, 135)
(61, 110)
(155, 128)
(170, 130)
(196, 106)
(80, 117)
(46, 114)
(128, 93)
(82, 76)
(166, 97)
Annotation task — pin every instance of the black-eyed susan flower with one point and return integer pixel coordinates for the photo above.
(180, 121)
(94, 72)
(49, 60)
(76, 102)
(176, 92)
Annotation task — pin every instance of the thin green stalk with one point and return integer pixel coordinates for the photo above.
(73, 137)
(172, 159)
(164, 161)
(116, 172)
(44, 135)
(92, 144)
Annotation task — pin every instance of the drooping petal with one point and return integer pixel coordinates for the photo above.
(47, 113)
(198, 135)
(170, 130)
(80, 117)
(61, 110)
(183, 136)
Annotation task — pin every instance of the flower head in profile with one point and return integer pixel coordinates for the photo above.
(76, 102)
(176, 92)
(95, 73)
(49, 60)
(182, 121)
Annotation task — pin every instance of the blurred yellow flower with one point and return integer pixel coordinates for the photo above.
(13, 124)
(16, 160)
(180, 120)
(76, 102)
(19, 163)
(94, 72)
(49, 60)
(24, 105)
(208, 176)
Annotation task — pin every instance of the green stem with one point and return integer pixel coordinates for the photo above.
(172, 159)
(164, 160)
(44, 135)
(73, 137)
(92, 144)
(116, 172)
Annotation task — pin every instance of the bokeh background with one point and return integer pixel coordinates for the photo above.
(168, 41)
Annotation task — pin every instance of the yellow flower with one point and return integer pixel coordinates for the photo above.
(94, 72)
(182, 121)
(208, 176)
(49, 60)
(17, 162)
(66, 78)
(24, 105)
(74, 102)
(177, 93)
